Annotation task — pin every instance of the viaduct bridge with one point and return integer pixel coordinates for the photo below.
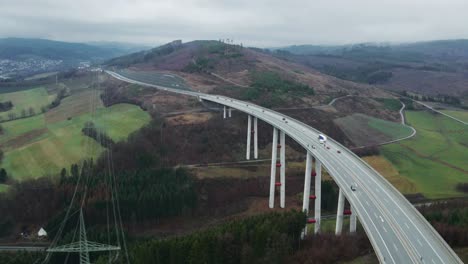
(396, 230)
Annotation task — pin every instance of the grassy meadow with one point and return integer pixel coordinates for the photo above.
(460, 114)
(43, 144)
(365, 130)
(23, 100)
(435, 160)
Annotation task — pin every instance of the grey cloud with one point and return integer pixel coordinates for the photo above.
(259, 23)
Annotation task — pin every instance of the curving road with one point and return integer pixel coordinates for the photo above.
(397, 231)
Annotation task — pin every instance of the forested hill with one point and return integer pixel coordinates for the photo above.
(22, 48)
(428, 68)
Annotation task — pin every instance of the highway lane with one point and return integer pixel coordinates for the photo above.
(398, 233)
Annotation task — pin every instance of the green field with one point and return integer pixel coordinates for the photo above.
(43, 144)
(435, 160)
(391, 129)
(364, 130)
(3, 187)
(390, 103)
(462, 115)
(23, 100)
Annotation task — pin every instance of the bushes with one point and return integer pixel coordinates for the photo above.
(450, 219)
(101, 137)
(6, 106)
(367, 151)
(462, 187)
(269, 89)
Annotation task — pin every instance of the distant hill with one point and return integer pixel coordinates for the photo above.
(21, 48)
(20, 57)
(437, 49)
(433, 67)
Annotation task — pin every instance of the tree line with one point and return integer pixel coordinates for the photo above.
(441, 98)
(267, 238)
(6, 106)
(100, 136)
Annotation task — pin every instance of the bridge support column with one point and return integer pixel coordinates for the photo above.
(255, 131)
(249, 135)
(274, 156)
(306, 194)
(339, 213)
(318, 195)
(352, 221)
(224, 112)
(282, 169)
(230, 112)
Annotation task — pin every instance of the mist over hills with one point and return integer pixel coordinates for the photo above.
(24, 56)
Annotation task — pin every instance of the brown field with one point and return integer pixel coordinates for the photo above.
(191, 118)
(384, 167)
(74, 105)
(23, 139)
(356, 128)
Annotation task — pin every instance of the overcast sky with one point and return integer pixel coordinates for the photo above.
(263, 23)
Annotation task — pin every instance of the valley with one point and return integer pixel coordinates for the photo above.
(181, 166)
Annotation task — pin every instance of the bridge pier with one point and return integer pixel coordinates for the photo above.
(274, 156)
(249, 135)
(339, 213)
(230, 112)
(251, 131)
(282, 169)
(318, 195)
(224, 112)
(306, 194)
(255, 132)
(352, 221)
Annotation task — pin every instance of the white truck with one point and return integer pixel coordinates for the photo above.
(322, 139)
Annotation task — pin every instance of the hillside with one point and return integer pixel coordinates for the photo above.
(429, 68)
(216, 67)
(23, 57)
(19, 48)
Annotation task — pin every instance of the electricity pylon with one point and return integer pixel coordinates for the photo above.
(83, 246)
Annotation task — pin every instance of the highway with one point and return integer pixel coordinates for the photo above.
(397, 231)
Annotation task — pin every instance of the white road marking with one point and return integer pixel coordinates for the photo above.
(395, 247)
(384, 229)
(367, 203)
(406, 224)
(419, 242)
(433, 261)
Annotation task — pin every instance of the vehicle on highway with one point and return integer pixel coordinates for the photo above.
(338, 151)
(322, 138)
(353, 188)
